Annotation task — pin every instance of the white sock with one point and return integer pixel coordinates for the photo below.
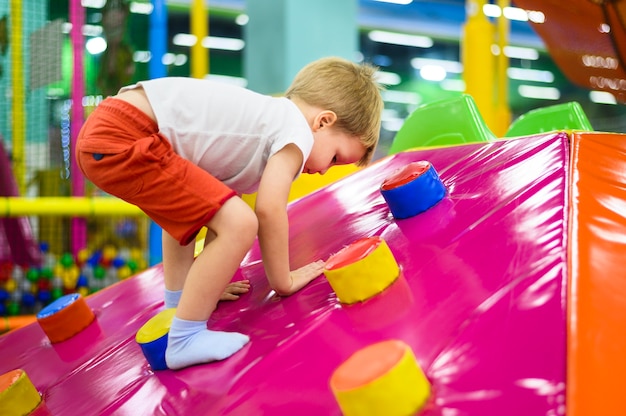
(172, 297)
(190, 342)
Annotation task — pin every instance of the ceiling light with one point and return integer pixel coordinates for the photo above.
(225, 44)
(93, 4)
(536, 17)
(517, 52)
(96, 46)
(492, 10)
(209, 42)
(141, 8)
(393, 124)
(395, 38)
(387, 78)
(184, 39)
(453, 85)
(541, 93)
(401, 2)
(433, 73)
(401, 97)
(602, 97)
(514, 13)
(454, 67)
(142, 56)
(524, 74)
(242, 19)
(168, 59)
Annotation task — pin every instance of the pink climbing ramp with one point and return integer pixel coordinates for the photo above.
(480, 301)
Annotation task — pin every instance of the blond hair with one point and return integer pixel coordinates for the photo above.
(350, 91)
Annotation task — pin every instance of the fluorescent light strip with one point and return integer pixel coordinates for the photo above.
(184, 39)
(209, 42)
(88, 30)
(93, 4)
(242, 19)
(453, 85)
(225, 44)
(541, 93)
(394, 38)
(141, 8)
(400, 2)
(434, 73)
(401, 97)
(517, 52)
(524, 74)
(388, 78)
(142, 56)
(393, 124)
(514, 13)
(454, 67)
(602, 97)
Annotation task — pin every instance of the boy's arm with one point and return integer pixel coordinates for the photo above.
(271, 210)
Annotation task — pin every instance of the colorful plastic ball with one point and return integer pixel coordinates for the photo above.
(123, 272)
(82, 281)
(28, 299)
(132, 265)
(4, 295)
(56, 293)
(46, 273)
(32, 275)
(66, 260)
(44, 284)
(10, 285)
(118, 262)
(82, 256)
(109, 253)
(6, 267)
(99, 272)
(13, 308)
(44, 296)
(94, 260)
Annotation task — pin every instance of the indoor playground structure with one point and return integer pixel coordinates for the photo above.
(501, 295)
(476, 268)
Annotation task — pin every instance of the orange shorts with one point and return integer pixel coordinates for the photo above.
(120, 150)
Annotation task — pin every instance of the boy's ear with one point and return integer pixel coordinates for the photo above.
(324, 118)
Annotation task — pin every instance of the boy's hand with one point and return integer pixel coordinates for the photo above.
(234, 289)
(302, 276)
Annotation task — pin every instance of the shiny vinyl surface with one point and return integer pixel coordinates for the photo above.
(481, 300)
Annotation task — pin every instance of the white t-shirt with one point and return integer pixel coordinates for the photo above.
(226, 130)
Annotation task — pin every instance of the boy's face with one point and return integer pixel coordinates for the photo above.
(332, 147)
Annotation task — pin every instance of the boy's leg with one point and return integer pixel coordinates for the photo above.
(190, 342)
(177, 261)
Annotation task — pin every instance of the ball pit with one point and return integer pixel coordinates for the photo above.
(26, 289)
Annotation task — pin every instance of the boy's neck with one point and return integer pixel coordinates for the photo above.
(308, 111)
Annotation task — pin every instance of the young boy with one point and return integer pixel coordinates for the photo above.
(182, 149)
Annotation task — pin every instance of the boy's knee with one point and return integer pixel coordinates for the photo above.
(236, 218)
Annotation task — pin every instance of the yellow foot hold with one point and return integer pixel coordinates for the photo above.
(18, 396)
(152, 338)
(381, 379)
(361, 270)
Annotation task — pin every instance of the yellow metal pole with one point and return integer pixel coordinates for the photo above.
(66, 206)
(503, 112)
(478, 60)
(199, 28)
(18, 122)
